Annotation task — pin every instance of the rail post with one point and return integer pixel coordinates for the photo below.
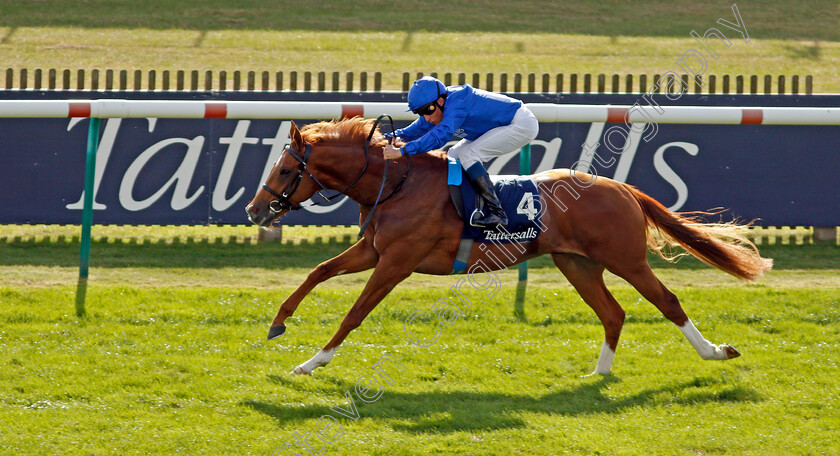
(87, 210)
(87, 214)
(521, 285)
(524, 169)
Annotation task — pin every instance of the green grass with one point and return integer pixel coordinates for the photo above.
(540, 37)
(159, 370)
(171, 355)
(232, 256)
(772, 18)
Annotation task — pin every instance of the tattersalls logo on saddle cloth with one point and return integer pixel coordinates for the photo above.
(528, 235)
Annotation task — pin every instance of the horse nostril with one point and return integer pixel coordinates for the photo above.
(253, 209)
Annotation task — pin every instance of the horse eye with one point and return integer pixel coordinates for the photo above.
(285, 171)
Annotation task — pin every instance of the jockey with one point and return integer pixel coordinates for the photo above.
(489, 125)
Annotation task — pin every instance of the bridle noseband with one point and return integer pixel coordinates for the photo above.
(282, 202)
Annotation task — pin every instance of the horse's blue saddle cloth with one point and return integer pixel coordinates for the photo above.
(519, 197)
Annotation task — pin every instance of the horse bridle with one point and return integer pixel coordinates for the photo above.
(283, 201)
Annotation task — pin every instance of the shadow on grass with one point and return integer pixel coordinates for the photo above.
(215, 253)
(194, 253)
(455, 411)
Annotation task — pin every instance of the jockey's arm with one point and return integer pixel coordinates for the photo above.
(438, 136)
(417, 129)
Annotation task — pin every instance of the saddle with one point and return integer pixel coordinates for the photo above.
(520, 200)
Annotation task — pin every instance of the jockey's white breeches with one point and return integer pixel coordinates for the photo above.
(498, 141)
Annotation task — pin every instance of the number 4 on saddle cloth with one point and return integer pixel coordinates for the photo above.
(520, 200)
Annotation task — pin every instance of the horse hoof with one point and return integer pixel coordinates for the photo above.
(595, 373)
(731, 352)
(299, 371)
(276, 331)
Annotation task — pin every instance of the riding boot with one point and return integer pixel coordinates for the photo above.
(492, 213)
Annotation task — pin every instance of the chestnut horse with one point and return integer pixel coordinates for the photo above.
(589, 224)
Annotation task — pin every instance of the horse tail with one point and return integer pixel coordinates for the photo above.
(720, 245)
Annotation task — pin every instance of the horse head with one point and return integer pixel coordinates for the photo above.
(288, 183)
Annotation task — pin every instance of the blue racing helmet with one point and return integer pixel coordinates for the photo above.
(424, 91)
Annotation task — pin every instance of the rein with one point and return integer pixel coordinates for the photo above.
(384, 174)
(283, 201)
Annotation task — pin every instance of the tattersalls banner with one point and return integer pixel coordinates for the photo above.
(177, 171)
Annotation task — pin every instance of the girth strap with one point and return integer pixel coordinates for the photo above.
(462, 258)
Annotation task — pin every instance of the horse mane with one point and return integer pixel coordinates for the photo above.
(354, 130)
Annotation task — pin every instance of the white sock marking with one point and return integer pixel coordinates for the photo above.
(705, 349)
(322, 358)
(605, 360)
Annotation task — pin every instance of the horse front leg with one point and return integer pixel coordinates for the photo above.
(359, 257)
(388, 273)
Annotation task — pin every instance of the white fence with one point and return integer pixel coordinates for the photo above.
(545, 112)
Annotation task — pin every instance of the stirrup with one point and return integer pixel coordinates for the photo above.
(472, 218)
(488, 225)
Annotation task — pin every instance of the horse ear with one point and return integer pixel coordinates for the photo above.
(294, 134)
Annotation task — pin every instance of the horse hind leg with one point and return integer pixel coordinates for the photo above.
(643, 279)
(587, 278)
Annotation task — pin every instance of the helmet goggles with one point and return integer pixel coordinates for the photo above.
(427, 109)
